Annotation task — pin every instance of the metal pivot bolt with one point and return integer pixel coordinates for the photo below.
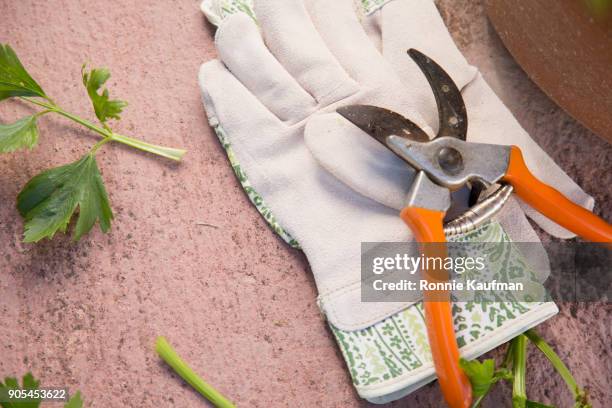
(450, 160)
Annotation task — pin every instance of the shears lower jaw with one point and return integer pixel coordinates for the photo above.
(446, 164)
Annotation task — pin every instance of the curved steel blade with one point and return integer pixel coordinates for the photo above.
(381, 123)
(451, 108)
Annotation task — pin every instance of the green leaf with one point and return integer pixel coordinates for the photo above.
(75, 401)
(480, 375)
(14, 79)
(105, 108)
(29, 382)
(49, 200)
(10, 383)
(21, 134)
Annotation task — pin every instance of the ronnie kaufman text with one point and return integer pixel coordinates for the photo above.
(453, 285)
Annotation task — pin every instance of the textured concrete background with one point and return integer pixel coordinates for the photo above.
(234, 300)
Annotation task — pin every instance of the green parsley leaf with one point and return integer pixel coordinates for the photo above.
(29, 383)
(480, 375)
(21, 134)
(75, 402)
(14, 79)
(10, 383)
(49, 200)
(104, 107)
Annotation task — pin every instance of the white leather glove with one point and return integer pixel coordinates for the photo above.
(262, 94)
(259, 98)
(394, 26)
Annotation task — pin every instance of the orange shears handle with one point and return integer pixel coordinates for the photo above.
(427, 226)
(553, 204)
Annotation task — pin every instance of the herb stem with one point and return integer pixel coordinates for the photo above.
(508, 358)
(49, 106)
(51, 101)
(478, 400)
(44, 112)
(555, 360)
(167, 152)
(98, 145)
(167, 353)
(519, 390)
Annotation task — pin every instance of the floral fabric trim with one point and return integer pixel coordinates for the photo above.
(398, 345)
(254, 197)
(370, 6)
(217, 10)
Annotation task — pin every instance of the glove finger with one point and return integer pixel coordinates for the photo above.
(367, 167)
(491, 122)
(245, 120)
(418, 24)
(290, 35)
(243, 51)
(338, 24)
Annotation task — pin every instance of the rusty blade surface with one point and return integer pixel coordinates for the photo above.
(381, 123)
(451, 107)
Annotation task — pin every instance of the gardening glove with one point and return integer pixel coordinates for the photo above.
(258, 100)
(394, 26)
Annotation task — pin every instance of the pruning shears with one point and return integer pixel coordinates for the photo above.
(446, 164)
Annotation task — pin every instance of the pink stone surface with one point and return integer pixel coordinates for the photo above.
(236, 302)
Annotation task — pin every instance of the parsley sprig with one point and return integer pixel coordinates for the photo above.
(49, 200)
(29, 383)
(483, 374)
